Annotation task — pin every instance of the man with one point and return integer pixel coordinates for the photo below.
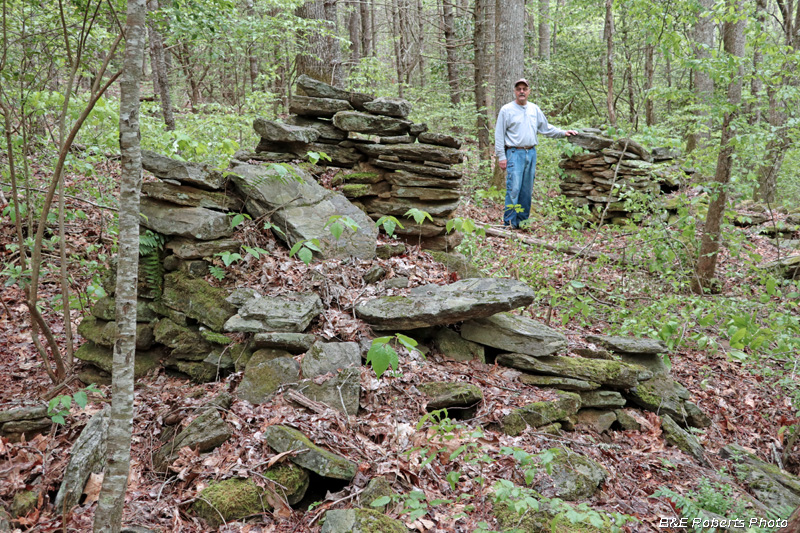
(515, 145)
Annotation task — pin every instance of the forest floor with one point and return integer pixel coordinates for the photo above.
(746, 405)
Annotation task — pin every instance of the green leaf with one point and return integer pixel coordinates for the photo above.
(305, 255)
(418, 215)
(294, 249)
(738, 355)
(81, 398)
(738, 336)
(313, 244)
(58, 419)
(577, 284)
(408, 342)
(336, 230)
(380, 502)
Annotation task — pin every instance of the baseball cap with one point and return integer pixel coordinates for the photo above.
(522, 80)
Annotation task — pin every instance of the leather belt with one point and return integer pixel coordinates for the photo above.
(521, 147)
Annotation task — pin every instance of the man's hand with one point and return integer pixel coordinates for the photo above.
(570, 132)
(503, 164)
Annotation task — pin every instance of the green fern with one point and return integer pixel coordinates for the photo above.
(150, 241)
(151, 244)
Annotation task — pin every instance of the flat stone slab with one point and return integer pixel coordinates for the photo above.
(776, 488)
(314, 458)
(663, 395)
(359, 122)
(191, 249)
(187, 195)
(102, 357)
(192, 173)
(87, 455)
(514, 333)
(541, 413)
(602, 398)
(291, 342)
(434, 305)
(439, 139)
(303, 208)
(598, 420)
(317, 107)
(392, 107)
(324, 357)
(203, 434)
(555, 382)
(682, 439)
(319, 89)
(446, 395)
(425, 193)
(629, 345)
(401, 178)
(360, 521)
(572, 476)
(611, 373)
(591, 142)
(278, 131)
(454, 346)
(105, 309)
(444, 173)
(398, 207)
(195, 222)
(414, 152)
(325, 128)
(340, 391)
(290, 313)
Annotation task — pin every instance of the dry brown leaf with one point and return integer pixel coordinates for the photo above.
(92, 488)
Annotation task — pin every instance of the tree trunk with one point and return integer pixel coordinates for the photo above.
(354, 28)
(480, 45)
(756, 84)
(321, 58)
(449, 21)
(159, 67)
(252, 59)
(108, 517)
(508, 58)
(608, 33)
(544, 30)
(649, 70)
(366, 29)
(703, 37)
(733, 41)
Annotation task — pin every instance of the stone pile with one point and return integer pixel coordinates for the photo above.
(399, 164)
(608, 169)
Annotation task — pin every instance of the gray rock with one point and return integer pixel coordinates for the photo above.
(514, 333)
(24, 412)
(555, 382)
(595, 419)
(28, 420)
(392, 107)
(378, 487)
(278, 131)
(317, 107)
(777, 489)
(360, 521)
(629, 345)
(434, 305)
(102, 357)
(572, 475)
(591, 142)
(602, 398)
(302, 209)
(398, 282)
(357, 190)
(417, 129)
(341, 391)
(263, 376)
(445, 242)
(385, 251)
(448, 395)
(683, 440)
(456, 262)
(358, 122)
(289, 313)
(398, 207)
(425, 193)
(197, 299)
(318, 89)
(195, 222)
(788, 267)
(444, 173)
(105, 333)
(203, 434)
(240, 295)
(186, 342)
(313, 458)
(105, 309)
(88, 455)
(327, 131)
(374, 274)
(192, 173)
(340, 155)
(191, 249)
(397, 139)
(190, 196)
(663, 395)
(263, 156)
(454, 346)
(324, 357)
(414, 152)
(401, 178)
(440, 139)
(612, 373)
(626, 420)
(291, 342)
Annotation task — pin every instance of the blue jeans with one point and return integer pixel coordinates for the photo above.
(520, 173)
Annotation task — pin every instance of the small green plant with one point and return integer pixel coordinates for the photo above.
(305, 250)
(274, 228)
(418, 215)
(383, 355)
(464, 225)
(315, 157)
(58, 408)
(238, 218)
(151, 245)
(389, 224)
(336, 224)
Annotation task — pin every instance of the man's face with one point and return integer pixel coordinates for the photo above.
(521, 92)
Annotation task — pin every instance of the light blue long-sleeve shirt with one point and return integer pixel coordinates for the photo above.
(518, 126)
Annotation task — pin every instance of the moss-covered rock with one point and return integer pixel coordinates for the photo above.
(777, 489)
(456, 262)
(514, 333)
(105, 333)
(546, 518)
(197, 299)
(454, 346)
(541, 413)
(291, 481)
(555, 382)
(101, 357)
(262, 377)
(595, 419)
(682, 439)
(314, 458)
(24, 502)
(105, 309)
(360, 521)
(572, 476)
(445, 394)
(385, 251)
(378, 487)
(611, 373)
(663, 395)
(230, 500)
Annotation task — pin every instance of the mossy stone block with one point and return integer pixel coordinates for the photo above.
(230, 500)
